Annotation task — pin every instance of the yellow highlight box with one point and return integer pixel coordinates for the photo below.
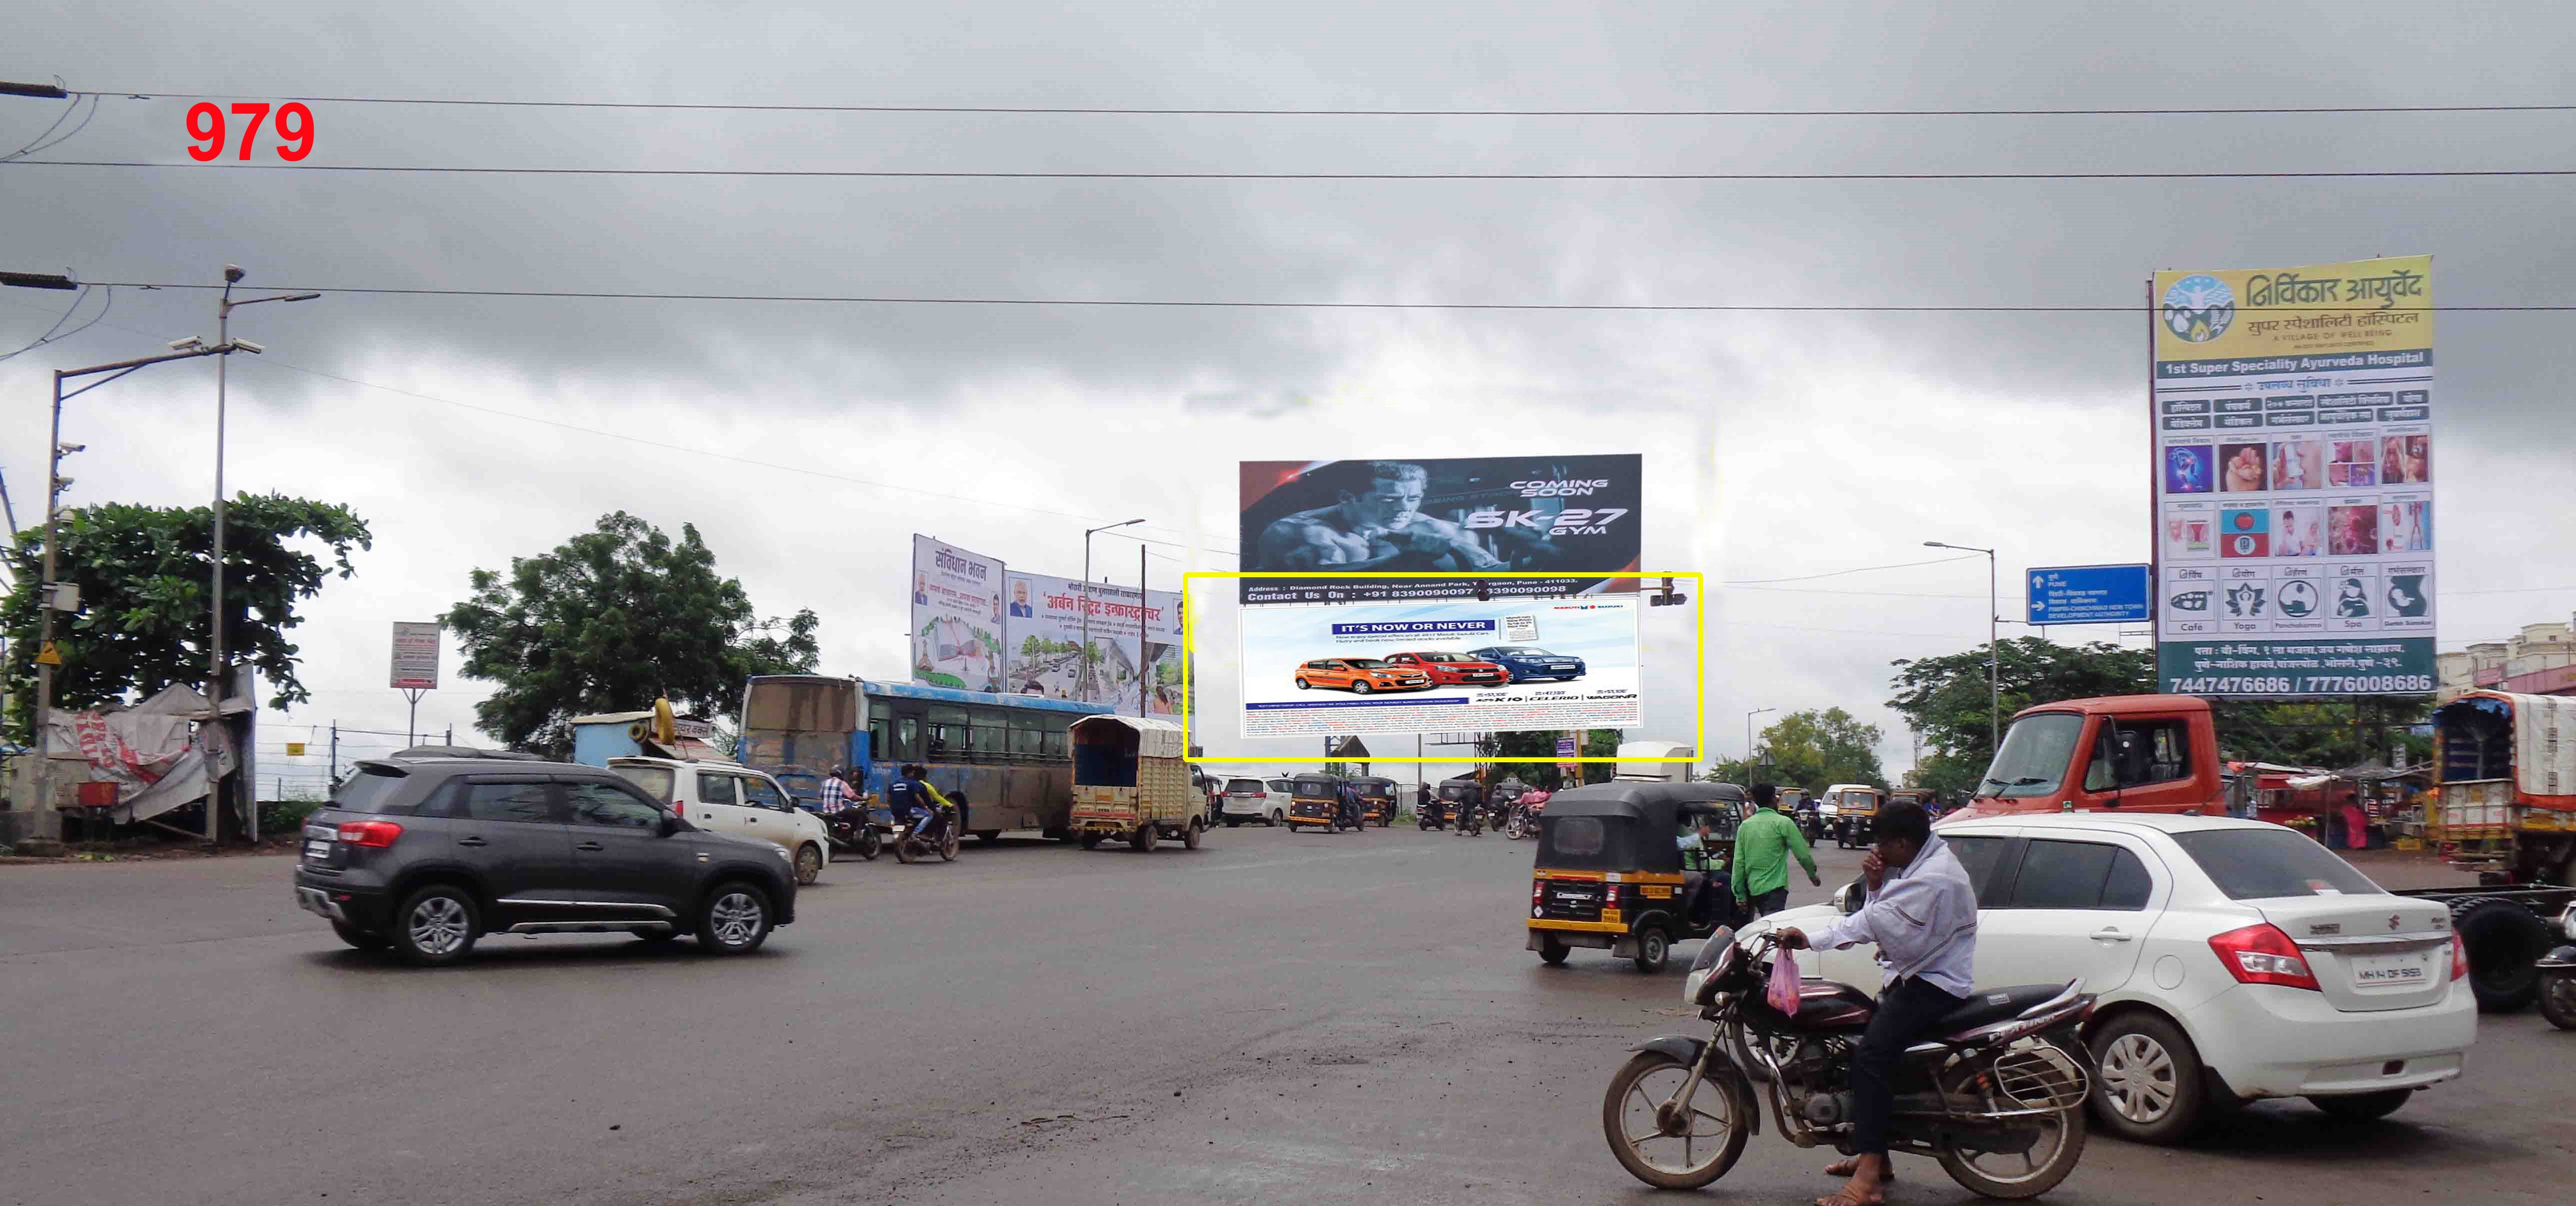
(1699, 604)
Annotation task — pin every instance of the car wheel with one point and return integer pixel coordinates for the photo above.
(809, 863)
(1653, 949)
(734, 920)
(1276, 818)
(2147, 1088)
(1190, 838)
(359, 938)
(1230, 822)
(1552, 950)
(2363, 1107)
(436, 926)
(2504, 938)
(1303, 685)
(1142, 841)
(1359, 688)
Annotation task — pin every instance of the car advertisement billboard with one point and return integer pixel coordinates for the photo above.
(2293, 423)
(1441, 666)
(1537, 514)
(1045, 617)
(957, 620)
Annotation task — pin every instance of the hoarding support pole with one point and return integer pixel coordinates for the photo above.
(334, 776)
(1142, 685)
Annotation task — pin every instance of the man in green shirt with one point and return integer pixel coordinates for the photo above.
(1763, 844)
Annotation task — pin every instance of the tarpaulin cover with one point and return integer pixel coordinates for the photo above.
(146, 750)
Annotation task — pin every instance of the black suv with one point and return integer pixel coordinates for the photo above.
(434, 847)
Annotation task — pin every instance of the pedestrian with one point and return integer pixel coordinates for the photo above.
(1922, 915)
(1763, 844)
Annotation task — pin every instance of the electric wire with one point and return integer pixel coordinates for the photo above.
(966, 174)
(50, 337)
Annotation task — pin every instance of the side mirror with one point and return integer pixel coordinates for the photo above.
(1847, 897)
(670, 824)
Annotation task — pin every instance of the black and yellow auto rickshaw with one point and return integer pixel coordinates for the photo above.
(1377, 800)
(1315, 801)
(1453, 794)
(1856, 818)
(1611, 873)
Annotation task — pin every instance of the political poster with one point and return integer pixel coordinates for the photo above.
(1480, 665)
(1573, 515)
(2293, 422)
(1045, 640)
(957, 620)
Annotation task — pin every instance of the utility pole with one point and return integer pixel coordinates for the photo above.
(1994, 641)
(335, 753)
(1142, 683)
(1082, 660)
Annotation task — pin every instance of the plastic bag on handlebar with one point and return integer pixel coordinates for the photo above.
(1783, 991)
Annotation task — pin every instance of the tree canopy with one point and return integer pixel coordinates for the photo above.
(143, 577)
(1811, 749)
(609, 621)
(1945, 698)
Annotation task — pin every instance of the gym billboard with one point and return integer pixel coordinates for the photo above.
(1575, 516)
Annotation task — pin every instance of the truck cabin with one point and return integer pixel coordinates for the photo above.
(2138, 753)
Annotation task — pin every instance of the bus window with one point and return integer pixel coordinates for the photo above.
(988, 740)
(907, 740)
(881, 737)
(947, 733)
(1059, 745)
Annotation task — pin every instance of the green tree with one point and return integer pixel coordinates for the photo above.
(1815, 749)
(610, 620)
(142, 573)
(1945, 698)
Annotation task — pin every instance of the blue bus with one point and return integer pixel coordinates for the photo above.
(1007, 758)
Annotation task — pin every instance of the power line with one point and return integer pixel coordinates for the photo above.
(1139, 111)
(1866, 569)
(1182, 303)
(902, 174)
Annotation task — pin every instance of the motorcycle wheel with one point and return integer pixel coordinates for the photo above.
(2063, 1138)
(2558, 999)
(948, 846)
(871, 845)
(1686, 1156)
(1512, 828)
(903, 850)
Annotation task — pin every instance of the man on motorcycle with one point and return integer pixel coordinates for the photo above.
(912, 797)
(1922, 914)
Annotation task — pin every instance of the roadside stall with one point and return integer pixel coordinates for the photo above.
(1130, 784)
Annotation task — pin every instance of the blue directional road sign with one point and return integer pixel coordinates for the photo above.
(2088, 594)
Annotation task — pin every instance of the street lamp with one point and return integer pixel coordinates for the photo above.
(55, 484)
(1748, 737)
(1082, 660)
(1994, 646)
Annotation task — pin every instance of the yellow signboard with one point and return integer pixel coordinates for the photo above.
(295, 749)
(2319, 310)
(47, 656)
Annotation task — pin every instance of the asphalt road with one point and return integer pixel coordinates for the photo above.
(1314, 1018)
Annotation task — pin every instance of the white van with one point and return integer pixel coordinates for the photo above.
(1250, 799)
(727, 797)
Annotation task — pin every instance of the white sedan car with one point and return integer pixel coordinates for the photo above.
(2234, 960)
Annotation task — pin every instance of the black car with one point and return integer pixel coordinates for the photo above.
(428, 850)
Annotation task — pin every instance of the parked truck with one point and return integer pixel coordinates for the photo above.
(2159, 753)
(1129, 784)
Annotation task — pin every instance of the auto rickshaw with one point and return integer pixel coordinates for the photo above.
(1315, 801)
(1930, 803)
(1856, 816)
(1447, 799)
(1610, 873)
(1377, 801)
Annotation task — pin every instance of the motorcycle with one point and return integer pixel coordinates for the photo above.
(1471, 819)
(1433, 814)
(2558, 976)
(1996, 1094)
(938, 836)
(859, 829)
(1809, 824)
(1522, 819)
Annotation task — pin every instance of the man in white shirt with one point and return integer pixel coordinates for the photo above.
(1922, 915)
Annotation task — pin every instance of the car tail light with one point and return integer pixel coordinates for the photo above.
(2262, 954)
(373, 834)
(679, 808)
(2459, 958)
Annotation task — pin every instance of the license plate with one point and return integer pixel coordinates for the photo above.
(317, 849)
(2371, 971)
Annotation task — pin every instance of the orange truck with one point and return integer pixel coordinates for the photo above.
(2133, 753)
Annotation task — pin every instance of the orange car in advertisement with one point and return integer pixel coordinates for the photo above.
(1453, 669)
(1360, 675)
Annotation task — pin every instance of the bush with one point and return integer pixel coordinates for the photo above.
(284, 816)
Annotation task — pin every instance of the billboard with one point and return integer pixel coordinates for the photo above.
(2293, 483)
(415, 661)
(1045, 618)
(1441, 666)
(1534, 514)
(957, 620)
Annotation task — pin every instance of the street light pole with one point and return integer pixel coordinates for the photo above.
(1748, 737)
(1994, 642)
(55, 484)
(1082, 657)
(215, 681)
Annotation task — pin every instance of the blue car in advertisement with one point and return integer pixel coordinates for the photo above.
(1527, 662)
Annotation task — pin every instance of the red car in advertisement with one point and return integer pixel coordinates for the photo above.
(1453, 669)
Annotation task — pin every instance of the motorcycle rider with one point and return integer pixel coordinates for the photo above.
(1922, 914)
(1346, 804)
(912, 797)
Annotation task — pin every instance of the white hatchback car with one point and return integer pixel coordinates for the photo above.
(730, 798)
(2234, 960)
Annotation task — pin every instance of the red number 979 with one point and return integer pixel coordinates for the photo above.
(294, 130)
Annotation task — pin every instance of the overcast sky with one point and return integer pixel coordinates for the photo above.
(809, 441)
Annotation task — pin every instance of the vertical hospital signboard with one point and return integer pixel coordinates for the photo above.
(2292, 412)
